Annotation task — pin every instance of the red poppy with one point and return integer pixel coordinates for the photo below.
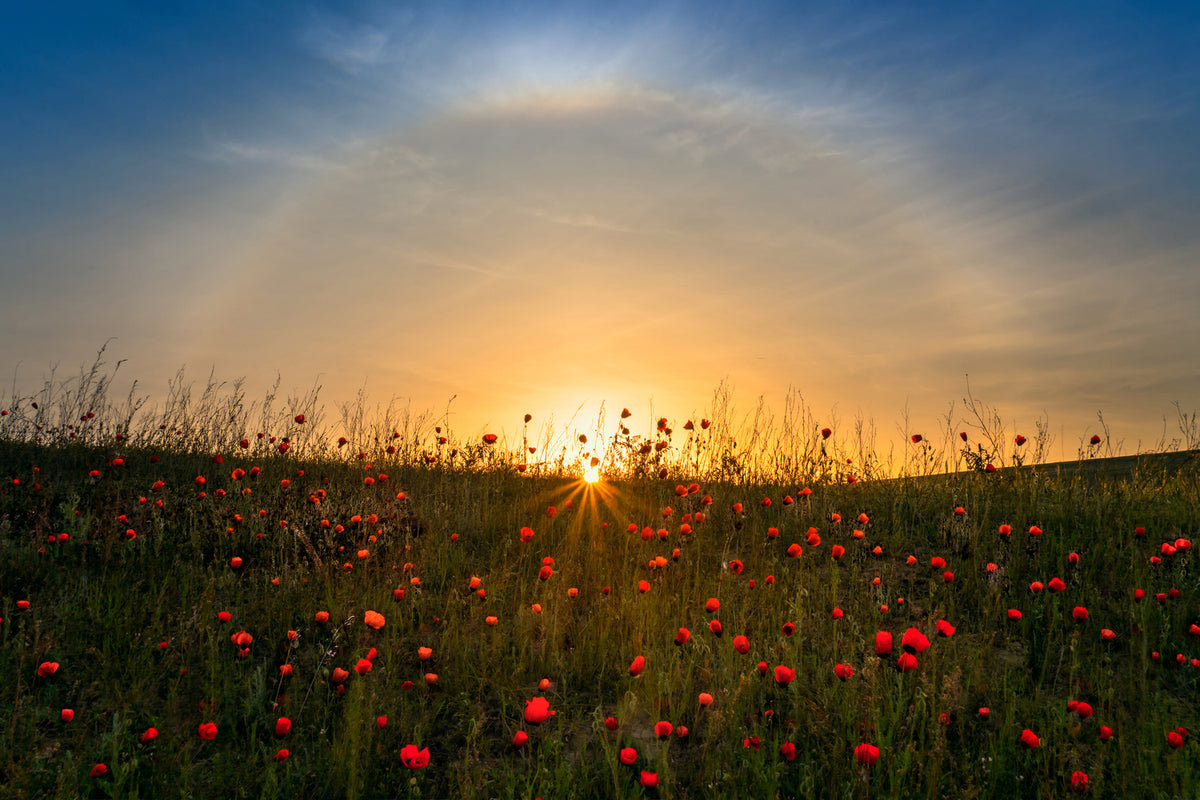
(706, 699)
(682, 635)
(47, 668)
(208, 730)
(1175, 739)
(1036, 587)
(788, 751)
(784, 675)
(662, 729)
(1030, 739)
(794, 550)
(489, 438)
(866, 754)
(1105, 733)
(1020, 440)
(339, 675)
(843, 671)
(611, 723)
(838, 551)
(712, 605)
(520, 738)
(413, 758)
(916, 438)
(826, 433)
(914, 641)
(741, 644)
(648, 779)
(628, 756)
(788, 628)
(984, 711)
(363, 666)
(883, 643)
(945, 628)
(1079, 613)
(1084, 710)
(907, 662)
(643, 586)
(149, 736)
(98, 770)
(937, 562)
(637, 666)
(537, 710)
(545, 573)
(715, 626)
(1034, 530)
(1014, 614)
(1056, 585)
(1079, 780)
(283, 726)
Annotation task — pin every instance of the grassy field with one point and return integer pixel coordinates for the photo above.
(191, 617)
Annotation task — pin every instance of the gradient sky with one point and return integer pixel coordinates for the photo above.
(534, 206)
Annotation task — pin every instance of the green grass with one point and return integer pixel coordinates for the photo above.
(101, 604)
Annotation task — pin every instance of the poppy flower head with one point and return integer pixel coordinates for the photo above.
(628, 756)
(715, 626)
(520, 738)
(663, 729)
(1079, 780)
(1030, 739)
(866, 754)
(944, 628)
(826, 433)
(648, 779)
(47, 668)
(916, 438)
(537, 710)
(914, 641)
(611, 723)
(208, 731)
(682, 635)
(789, 628)
(1175, 739)
(412, 758)
(907, 662)
(98, 771)
(373, 619)
(843, 671)
(283, 726)
(639, 663)
(784, 675)
(1079, 613)
(883, 643)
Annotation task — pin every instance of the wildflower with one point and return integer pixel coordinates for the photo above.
(520, 738)
(526, 534)
(537, 710)
(907, 662)
(715, 626)
(1079, 780)
(363, 666)
(945, 628)
(637, 666)
(67, 714)
(843, 671)
(788, 629)
(705, 699)
(98, 771)
(628, 756)
(611, 723)
(1030, 739)
(149, 736)
(1174, 739)
(649, 779)
(339, 675)
(412, 758)
(47, 668)
(741, 644)
(1079, 613)
(373, 619)
(283, 726)
(208, 730)
(784, 675)
(322, 617)
(866, 754)
(682, 635)
(1056, 585)
(662, 729)
(883, 643)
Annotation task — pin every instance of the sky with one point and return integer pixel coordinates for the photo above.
(541, 207)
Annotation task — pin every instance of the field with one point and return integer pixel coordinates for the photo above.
(187, 612)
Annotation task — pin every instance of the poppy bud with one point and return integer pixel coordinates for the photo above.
(636, 667)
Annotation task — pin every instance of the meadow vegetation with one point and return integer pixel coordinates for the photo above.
(219, 598)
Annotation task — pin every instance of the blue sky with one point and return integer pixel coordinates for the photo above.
(534, 206)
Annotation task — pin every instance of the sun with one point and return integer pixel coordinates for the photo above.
(591, 475)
